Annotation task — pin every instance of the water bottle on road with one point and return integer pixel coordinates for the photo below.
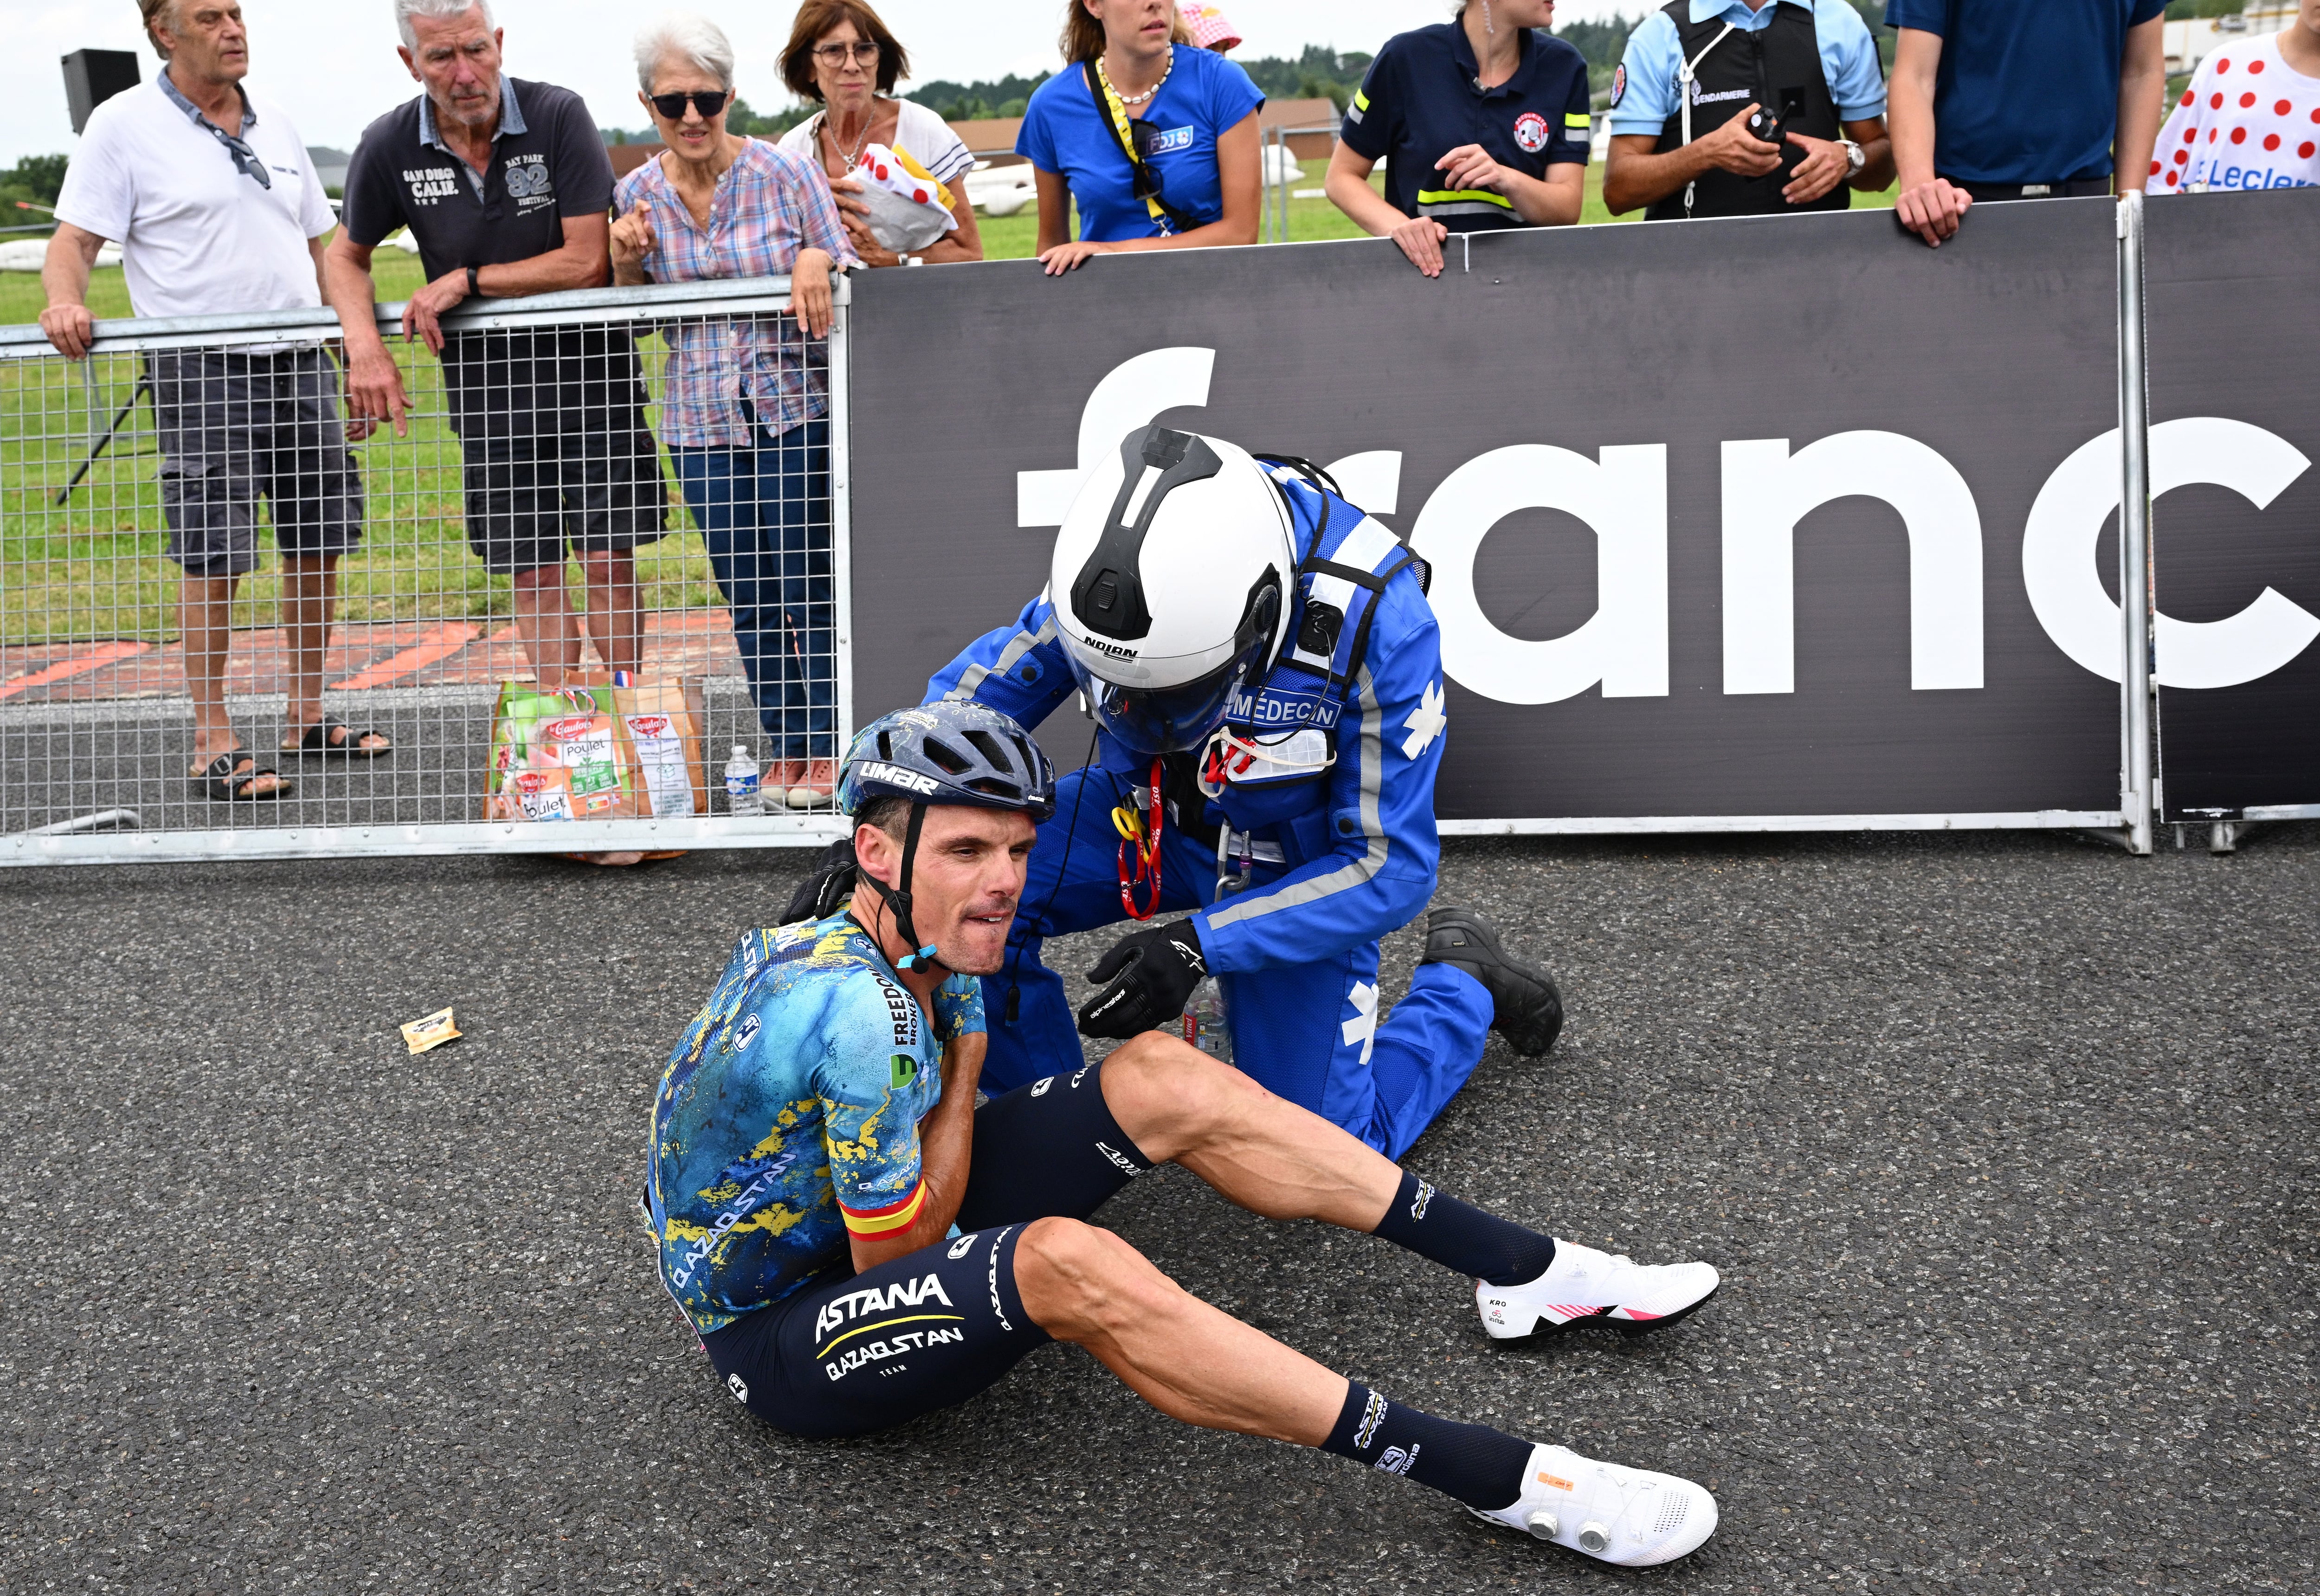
(741, 794)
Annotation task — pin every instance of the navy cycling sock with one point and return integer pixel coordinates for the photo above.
(1461, 1237)
(1480, 1466)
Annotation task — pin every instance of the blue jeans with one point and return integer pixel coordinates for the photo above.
(764, 515)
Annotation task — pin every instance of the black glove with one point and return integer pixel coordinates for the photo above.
(1152, 971)
(819, 894)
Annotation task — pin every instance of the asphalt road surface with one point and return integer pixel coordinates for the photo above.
(2003, 1144)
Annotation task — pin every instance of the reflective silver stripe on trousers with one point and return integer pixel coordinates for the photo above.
(1357, 873)
(1018, 646)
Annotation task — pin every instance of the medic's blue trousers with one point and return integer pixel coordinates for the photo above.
(1305, 1030)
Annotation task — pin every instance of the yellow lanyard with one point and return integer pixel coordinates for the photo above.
(1126, 140)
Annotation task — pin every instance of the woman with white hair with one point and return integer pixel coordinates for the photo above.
(744, 401)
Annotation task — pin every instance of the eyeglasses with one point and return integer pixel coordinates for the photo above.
(245, 158)
(865, 51)
(708, 102)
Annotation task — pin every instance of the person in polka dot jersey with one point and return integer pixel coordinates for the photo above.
(2251, 118)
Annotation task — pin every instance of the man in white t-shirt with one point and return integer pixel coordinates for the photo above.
(2251, 118)
(218, 208)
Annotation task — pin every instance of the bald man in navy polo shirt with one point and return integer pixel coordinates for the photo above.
(2011, 100)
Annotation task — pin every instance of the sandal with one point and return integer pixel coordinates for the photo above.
(318, 741)
(223, 780)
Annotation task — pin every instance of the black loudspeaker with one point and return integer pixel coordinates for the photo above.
(92, 77)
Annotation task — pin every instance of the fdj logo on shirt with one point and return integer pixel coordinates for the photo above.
(1173, 139)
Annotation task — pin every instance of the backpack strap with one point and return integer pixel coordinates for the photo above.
(1340, 585)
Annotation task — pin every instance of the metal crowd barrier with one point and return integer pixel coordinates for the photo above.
(97, 723)
(1275, 159)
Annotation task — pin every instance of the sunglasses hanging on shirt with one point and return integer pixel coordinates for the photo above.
(708, 102)
(245, 158)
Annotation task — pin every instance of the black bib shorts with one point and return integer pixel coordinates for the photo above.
(848, 1354)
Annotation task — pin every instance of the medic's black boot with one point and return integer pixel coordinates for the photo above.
(1529, 1010)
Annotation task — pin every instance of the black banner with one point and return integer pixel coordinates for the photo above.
(2234, 353)
(1727, 517)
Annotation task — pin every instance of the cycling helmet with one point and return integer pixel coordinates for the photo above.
(952, 752)
(1169, 585)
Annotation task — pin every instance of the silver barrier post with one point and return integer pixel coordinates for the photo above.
(1266, 233)
(841, 517)
(1287, 182)
(2135, 795)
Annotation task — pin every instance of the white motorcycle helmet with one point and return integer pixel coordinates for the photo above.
(1170, 583)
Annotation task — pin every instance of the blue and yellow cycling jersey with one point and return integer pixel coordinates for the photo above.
(789, 1116)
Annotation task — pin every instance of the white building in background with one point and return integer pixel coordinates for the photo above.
(2190, 40)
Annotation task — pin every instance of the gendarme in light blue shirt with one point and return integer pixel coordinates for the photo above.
(1848, 56)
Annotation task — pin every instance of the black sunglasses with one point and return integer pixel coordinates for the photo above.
(708, 102)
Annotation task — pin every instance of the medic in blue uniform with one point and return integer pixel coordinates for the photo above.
(1266, 675)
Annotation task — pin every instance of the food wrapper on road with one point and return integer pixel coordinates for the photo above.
(909, 210)
(562, 756)
(433, 1032)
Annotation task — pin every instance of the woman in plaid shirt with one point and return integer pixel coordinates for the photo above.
(744, 400)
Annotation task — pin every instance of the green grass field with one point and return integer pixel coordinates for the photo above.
(93, 569)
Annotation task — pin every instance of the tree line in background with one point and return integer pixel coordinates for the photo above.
(35, 180)
(1321, 73)
(1317, 73)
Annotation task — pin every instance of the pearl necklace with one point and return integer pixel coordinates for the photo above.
(1147, 94)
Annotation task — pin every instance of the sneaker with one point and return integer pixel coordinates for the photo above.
(1528, 1011)
(1627, 1516)
(1584, 1284)
(814, 787)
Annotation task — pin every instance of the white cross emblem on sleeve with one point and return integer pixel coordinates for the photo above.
(1426, 722)
(1363, 1026)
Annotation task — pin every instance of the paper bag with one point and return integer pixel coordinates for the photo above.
(560, 755)
(663, 723)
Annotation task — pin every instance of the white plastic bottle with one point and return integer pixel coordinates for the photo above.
(741, 794)
(1204, 1012)
(1204, 1020)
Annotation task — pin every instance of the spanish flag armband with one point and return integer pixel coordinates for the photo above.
(885, 1222)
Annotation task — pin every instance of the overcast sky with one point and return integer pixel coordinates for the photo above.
(332, 62)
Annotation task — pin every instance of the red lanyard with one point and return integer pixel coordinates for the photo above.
(1141, 835)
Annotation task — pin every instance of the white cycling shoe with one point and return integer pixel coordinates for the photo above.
(1627, 1516)
(1585, 1285)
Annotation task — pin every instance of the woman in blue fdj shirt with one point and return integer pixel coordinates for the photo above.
(1188, 115)
(1485, 120)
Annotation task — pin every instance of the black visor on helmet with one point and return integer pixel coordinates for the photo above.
(1166, 720)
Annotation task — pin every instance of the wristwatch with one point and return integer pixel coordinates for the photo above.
(1856, 157)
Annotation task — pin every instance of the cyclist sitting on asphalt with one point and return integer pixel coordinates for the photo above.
(858, 1244)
